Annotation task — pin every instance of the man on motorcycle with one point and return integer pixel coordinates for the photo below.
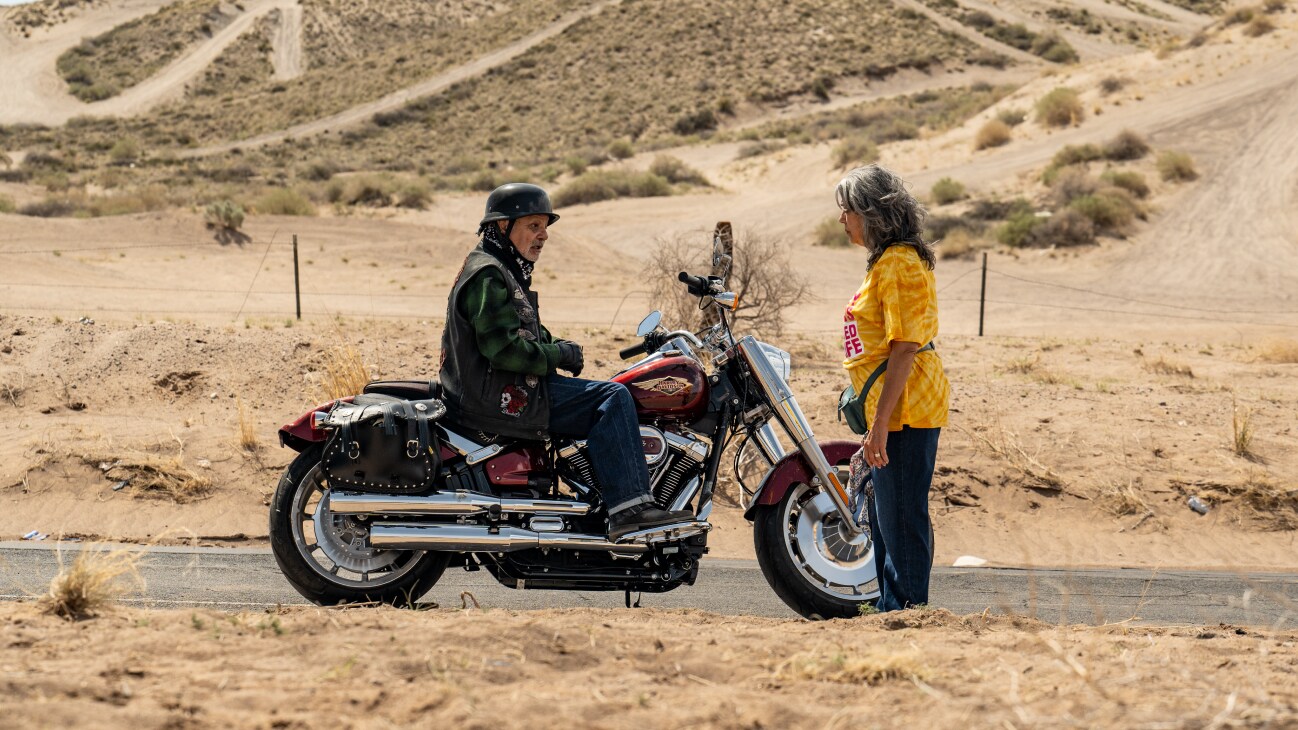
(499, 363)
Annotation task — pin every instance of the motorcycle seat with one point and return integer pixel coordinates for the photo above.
(406, 389)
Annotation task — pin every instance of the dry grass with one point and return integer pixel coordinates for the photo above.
(1242, 430)
(958, 243)
(1121, 499)
(1023, 365)
(149, 473)
(1005, 445)
(1279, 351)
(247, 430)
(1060, 108)
(1163, 366)
(870, 668)
(94, 582)
(344, 373)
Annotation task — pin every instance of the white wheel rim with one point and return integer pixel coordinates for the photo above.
(828, 559)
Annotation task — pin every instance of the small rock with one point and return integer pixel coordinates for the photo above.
(204, 464)
(86, 320)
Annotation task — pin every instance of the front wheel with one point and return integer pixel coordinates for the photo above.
(814, 565)
(327, 557)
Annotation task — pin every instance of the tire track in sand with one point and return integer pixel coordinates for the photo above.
(286, 54)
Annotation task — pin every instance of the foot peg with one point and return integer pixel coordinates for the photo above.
(666, 533)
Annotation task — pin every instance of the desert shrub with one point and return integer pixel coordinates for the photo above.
(1011, 117)
(978, 19)
(992, 134)
(1260, 25)
(1176, 167)
(702, 120)
(1126, 146)
(1060, 108)
(1112, 84)
(52, 207)
(485, 181)
(7, 204)
(947, 191)
(854, 152)
(1017, 230)
(1076, 154)
(319, 170)
(15, 176)
(1067, 227)
(143, 200)
(1274, 6)
(1072, 184)
(959, 243)
(991, 59)
(598, 185)
(1110, 209)
(1131, 181)
(897, 130)
(124, 151)
(224, 214)
(44, 161)
(620, 149)
(1239, 15)
(996, 210)
(284, 201)
(1053, 49)
(412, 193)
(821, 87)
(673, 170)
(761, 275)
(830, 233)
(575, 164)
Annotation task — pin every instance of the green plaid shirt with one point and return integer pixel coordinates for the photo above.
(485, 302)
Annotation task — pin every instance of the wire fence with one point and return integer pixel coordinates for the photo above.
(604, 311)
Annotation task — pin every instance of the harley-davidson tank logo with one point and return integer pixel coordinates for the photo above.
(669, 385)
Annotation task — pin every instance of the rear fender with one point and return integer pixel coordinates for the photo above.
(299, 435)
(793, 469)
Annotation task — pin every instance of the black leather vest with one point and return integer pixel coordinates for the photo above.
(478, 395)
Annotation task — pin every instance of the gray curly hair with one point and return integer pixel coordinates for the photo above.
(892, 215)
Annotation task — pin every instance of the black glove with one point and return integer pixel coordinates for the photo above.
(570, 357)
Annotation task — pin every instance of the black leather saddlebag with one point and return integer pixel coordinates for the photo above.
(388, 447)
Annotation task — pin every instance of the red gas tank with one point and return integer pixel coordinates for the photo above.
(674, 388)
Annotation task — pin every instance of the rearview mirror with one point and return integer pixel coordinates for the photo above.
(649, 323)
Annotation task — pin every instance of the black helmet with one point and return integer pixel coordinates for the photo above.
(517, 200)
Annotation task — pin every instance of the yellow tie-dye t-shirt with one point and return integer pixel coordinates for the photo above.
(897, 302)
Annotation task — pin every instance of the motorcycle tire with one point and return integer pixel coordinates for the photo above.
(793, 586)
(418, 570)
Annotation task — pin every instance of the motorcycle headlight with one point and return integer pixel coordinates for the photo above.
(779, 359)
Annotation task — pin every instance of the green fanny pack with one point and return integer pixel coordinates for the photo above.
(851, 405)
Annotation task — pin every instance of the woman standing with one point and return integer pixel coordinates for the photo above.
(888, 330)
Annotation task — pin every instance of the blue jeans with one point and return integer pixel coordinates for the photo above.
(899, 523)
(603, 413)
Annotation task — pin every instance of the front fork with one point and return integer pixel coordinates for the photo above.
(788, 413)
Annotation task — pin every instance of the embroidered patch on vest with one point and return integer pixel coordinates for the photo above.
(527, 335)
(526, 314)
(531, 380)
(513, 401)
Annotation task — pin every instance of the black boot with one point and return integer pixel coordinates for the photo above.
(643, 517)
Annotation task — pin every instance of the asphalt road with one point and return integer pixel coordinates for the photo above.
(247, 579)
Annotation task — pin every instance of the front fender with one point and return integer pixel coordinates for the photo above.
(793, 469)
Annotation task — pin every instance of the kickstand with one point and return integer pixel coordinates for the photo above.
(628, 600)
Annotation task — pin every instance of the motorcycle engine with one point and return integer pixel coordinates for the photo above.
(673, 459)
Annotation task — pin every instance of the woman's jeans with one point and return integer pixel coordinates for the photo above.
(603, 413)
(899, 523)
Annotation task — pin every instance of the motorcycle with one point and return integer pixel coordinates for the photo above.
(530, 512)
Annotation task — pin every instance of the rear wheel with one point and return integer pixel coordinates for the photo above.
(327, 557)
(814, 565)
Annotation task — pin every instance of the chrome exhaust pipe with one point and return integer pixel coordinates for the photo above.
(479, 539)
(447, 503)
